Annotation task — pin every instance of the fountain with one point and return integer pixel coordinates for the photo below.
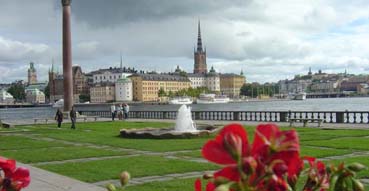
(184, 122)
(184, 128)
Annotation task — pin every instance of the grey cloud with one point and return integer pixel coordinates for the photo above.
(111, 13)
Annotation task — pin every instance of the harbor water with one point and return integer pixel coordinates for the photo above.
(324, 104)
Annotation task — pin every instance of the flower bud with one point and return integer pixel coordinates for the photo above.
(249, 165)
(111, 187)
(357, 185)
(124, 178)
(356, 167)
(207, 176)
(222, 187)
(233, 143)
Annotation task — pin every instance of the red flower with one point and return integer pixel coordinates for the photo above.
(271, 144)
(229, 145)
(318, 176)
(8, 166)
(15, 178)
(209, 187)
(269, 140)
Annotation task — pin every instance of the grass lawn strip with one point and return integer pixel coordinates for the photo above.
(138, 166)
(172, 185)
(349, 143)
(21, 142)
(58, 154)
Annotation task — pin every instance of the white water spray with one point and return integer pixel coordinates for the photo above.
(184, 121)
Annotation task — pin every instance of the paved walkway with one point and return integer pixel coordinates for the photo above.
(42, 180)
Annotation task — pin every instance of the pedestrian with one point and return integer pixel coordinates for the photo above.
(73, 117)
(126, 111)
(113, 112)
(59, 117)
(120, 112)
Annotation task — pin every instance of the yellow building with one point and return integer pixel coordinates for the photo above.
(230, 84)
(102, 92)
(146, 86)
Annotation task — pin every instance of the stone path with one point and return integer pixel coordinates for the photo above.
(42, 180)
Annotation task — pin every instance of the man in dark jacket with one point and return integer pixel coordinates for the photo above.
(73, 117)
(59, 117)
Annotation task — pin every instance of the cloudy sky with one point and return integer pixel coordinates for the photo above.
(269, 39)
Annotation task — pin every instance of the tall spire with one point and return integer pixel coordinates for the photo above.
(52, 65)
(199, 42)
(121, 61)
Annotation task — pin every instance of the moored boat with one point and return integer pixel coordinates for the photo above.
(180, 101)
(212, 98)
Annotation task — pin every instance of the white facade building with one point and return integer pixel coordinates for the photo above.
(5, 97)
(35, 96)
(110, 75)
(123, 90)
(210, 80)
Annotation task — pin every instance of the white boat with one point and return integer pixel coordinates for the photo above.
(212, 98)
(300, 96)
(59, 103)
(180, 101)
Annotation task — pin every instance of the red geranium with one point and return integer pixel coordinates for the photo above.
(14, 178)
(272, 162)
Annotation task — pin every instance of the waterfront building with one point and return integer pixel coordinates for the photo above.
(123, 90)
(32, 75)
(35, 96)
(5, 97)
(102, 92)
(111, 74)
(200, 66)
(230, 84)
(146, 86)
(56, 84)
(326, 84)
(209, 80)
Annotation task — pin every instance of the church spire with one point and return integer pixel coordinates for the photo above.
(121, 61)
(199, 42)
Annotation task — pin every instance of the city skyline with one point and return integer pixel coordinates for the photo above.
(261, 38)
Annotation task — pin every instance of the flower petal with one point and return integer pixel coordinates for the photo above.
(229, 172)
(21, 176)
(216, 150)
(198, 185)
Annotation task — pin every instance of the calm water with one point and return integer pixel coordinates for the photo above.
(327, 104)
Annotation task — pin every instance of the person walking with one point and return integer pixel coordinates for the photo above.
(73, 117)
(120, 112)
(59, 117)
(126, 111)
(113, 112)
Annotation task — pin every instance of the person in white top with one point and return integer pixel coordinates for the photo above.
(112, 110)
(126, 111)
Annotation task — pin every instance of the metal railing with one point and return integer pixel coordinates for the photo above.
(260, 116)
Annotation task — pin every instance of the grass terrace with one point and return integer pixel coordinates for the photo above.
(95, 153)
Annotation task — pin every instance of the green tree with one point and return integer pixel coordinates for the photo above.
(17, 91)
(84, 97)
(47, 91)
(161, 93)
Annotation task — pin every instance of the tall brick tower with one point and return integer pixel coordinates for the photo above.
(32, 75)
(200, 56)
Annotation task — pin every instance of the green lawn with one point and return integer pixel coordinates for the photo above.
(57, 154)
(138, 166)
(22, 142)
(16, 143)
(172, 185)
